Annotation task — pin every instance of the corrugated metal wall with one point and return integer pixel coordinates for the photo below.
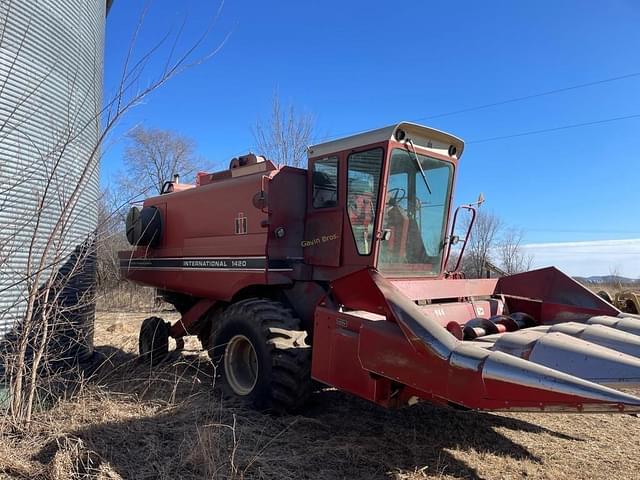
(51, 62)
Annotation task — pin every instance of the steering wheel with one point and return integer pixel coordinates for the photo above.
(396, 195)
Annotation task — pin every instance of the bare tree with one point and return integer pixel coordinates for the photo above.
(285, 136)
(112, 292)
(110, 238)
(513, 258)
(155, 155)
(152, 156)
(615, 278)
(481, 244)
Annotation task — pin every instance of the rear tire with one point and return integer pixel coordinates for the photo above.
(263, 355)
(153, 341)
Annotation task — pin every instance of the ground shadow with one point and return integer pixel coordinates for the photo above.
(202, 434)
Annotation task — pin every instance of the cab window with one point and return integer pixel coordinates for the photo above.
(415, 215)
(362, 195)
(325, 182)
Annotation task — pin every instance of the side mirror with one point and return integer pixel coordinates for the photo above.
(385, 235)
(454, 240)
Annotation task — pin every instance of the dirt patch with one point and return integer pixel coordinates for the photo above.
(128, 421)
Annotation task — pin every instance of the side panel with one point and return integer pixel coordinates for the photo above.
(462, 312)
(436, 289)
(205, 277)
(204, 221)
(213, 243)
(335, 357)
(561, 297)
(322, 240)
(286, 194)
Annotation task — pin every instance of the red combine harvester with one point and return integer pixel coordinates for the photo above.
(338, 274)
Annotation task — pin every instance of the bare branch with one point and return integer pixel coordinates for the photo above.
(154, 156)
(285, 136)
(481, 244)
(513, 258)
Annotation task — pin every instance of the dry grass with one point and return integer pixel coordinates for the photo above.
(131, 423)
(126, 296)
(611, 288)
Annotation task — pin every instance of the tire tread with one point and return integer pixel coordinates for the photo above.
(289, 385)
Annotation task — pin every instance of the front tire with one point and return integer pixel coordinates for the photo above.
(263, 354)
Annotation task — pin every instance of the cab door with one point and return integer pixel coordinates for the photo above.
(322, 242)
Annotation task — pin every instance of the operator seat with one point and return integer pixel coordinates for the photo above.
(394, 249)
(361, 214)
(416, 253)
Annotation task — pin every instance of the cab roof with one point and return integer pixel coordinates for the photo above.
(425, 137)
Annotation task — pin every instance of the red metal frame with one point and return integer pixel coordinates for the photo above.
(190, 318)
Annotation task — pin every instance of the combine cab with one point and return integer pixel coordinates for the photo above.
(337, 274)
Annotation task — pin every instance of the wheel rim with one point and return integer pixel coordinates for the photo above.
(241, 365)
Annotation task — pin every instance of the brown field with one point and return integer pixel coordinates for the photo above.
(127, 421)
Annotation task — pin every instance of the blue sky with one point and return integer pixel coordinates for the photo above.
(362, 64)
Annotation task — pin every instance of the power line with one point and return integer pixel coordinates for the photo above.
(507, 101)
(554, 129)
(528, 97)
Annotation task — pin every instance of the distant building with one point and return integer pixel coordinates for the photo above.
(51, 75)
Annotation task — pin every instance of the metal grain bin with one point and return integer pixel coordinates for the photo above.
(51, 71)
